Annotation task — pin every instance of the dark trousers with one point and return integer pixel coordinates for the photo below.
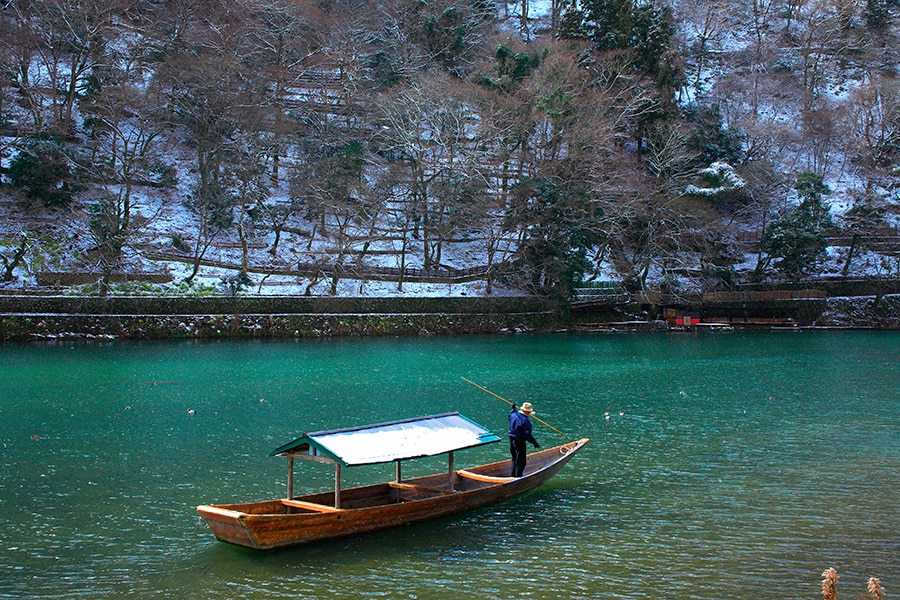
(519, 456)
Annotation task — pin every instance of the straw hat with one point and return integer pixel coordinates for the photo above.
(527, 409)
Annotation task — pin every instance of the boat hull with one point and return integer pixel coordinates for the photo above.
(278, 523)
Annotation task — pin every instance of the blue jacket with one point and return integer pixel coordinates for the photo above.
(520, 427)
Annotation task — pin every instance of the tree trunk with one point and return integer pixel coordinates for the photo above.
(402, 260)
(104, 286)
(274, 249)
(853, 240)
(488, 280)
(10, 266)
(245, 251)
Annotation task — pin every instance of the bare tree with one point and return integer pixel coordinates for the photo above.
(669, 157)
(338, 192)
(873, 125)
(212, 93)
(248, 165)
(761, 14)
(67, 38)
(560, 198)
(282, 41)
(450, 34)
(17, 258)
(707, 25)
(429, 129)
(126, 153)
(820, 30)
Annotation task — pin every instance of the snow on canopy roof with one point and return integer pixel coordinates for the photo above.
(396, 440)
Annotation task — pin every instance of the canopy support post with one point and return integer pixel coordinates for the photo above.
(290, 490)
(337, 485)
(399, 477)
(450, 471)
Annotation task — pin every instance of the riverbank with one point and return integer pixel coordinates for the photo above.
(873, 312)
(75, 317)
(24, 318)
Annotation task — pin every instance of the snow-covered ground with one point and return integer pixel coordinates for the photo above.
(64, 240)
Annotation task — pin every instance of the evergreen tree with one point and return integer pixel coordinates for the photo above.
(639, 29)
(511, 69)
(798, 237)
(41, 170)
(558, 227)
(709, 139)
(877, 14)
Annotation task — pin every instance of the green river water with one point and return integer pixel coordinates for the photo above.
(731, 465)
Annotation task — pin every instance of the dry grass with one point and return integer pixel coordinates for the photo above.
(829, 584)
(874, 590)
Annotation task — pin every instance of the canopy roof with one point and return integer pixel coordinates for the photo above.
(396, 440)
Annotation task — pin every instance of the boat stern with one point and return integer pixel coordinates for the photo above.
(228, 525)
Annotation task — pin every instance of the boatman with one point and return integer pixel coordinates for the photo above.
(519, 433)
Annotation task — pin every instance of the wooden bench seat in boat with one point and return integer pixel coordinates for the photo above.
(313, 506)
(485, 478)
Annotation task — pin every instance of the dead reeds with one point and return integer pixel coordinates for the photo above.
(874, 590)
(829, 584)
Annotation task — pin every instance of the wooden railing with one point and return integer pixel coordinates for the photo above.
(439, 274)
(764, 296)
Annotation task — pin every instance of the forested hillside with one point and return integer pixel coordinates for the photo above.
(675, 145)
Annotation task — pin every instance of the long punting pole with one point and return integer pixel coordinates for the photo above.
(510, 403)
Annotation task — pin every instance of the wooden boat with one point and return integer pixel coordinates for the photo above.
(320, 516)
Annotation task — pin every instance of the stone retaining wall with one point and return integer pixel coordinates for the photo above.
(61, 317)
(59, 327)
(191, 305)
(54, 318)
(875, 312)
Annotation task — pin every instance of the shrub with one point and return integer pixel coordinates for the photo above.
(41, 170)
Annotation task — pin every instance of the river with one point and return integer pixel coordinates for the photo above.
(730, 465)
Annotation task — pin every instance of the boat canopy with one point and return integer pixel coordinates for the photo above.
(393, 441)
